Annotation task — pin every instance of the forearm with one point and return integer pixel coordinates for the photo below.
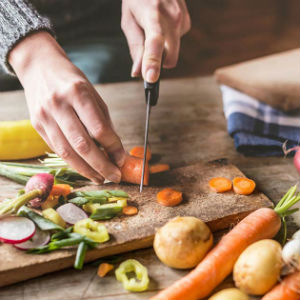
(17, 20)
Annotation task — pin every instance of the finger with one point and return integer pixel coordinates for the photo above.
(172, 47)
(135, 39)
(186, 20)
(99, 126)
(83, 145)
(151, 64)
(64, 150)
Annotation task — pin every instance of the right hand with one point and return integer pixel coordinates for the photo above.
(65, 108)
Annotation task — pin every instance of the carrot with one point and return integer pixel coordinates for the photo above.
(104, 268)
(61, 190)
(220, 184)
(138, 151)
(169, 197)
(243, 186)
(132, 170)
(159, 168)
(263, 223)
(287, 289)
(130, 210)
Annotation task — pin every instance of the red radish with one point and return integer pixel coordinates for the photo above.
(15, 230)
(44, 183)
(71, 213)
(40, 238)
(297, 160)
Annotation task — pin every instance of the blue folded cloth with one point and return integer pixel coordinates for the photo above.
(257, 128)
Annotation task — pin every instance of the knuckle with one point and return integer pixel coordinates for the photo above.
(36, 124)
(100, 132)
(63, 152)
(78, 86)
(82, 145)
(177, 17)
(41, 113)
(53, 100)
(156, 4)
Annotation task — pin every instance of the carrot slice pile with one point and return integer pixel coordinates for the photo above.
(104, 268)
(169, 197)
(159, 168)
(243, 186)
(138, 151)
(220, 184)
(130, 210)
(61, 190)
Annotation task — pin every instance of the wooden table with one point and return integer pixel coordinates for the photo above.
(187, 126)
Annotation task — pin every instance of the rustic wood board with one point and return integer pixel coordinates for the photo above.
(219, 211)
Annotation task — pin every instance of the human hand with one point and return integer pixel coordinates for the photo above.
(66, 109)
(154, 27)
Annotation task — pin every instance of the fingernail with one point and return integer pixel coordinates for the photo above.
(133, 70)
(151, 75)
(115, 178)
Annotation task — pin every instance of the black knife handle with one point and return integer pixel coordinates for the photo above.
(153, 89)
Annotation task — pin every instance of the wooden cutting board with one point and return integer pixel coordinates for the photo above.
(219, 211)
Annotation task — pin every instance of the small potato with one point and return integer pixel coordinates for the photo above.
(183, 242)
(229, 294)
(258, 267)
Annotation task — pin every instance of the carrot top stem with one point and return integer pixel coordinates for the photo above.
(284, 205)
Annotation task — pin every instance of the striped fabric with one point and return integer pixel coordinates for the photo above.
(257, 128)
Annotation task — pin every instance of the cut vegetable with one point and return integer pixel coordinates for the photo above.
(138, 151)
(61, 190)
(40, 238)
(159, 168)
(229, 294)
(169, 197)
(15, 230)
(138, 284)
(50, 202)
(93, 230)
(243, 186)
(132, 170)
(104, 269)
(52, 215)
(220, 184)
(71, 213)
(130, 210)
(107, 211)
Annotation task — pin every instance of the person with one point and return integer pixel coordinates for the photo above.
(64, 106)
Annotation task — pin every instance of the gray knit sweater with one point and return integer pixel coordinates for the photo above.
(18, 18)
(70, 19)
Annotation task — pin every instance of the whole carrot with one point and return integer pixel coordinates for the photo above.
(261, 224)
(287, 289)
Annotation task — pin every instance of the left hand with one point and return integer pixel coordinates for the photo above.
(154, 27)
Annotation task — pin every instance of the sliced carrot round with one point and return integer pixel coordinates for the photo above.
(104, 268)
(61, 189)
(159, 168)
(220, 184)
(169, 197)
(243, 186)
(130, 210)
(138, 151)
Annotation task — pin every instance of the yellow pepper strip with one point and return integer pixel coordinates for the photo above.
(19, 140)
(52, 215)
(138, 284)
(92, 229)
(50, 202)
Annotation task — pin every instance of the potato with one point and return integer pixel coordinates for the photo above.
(258, 267)
(229, 294)
(183, 242)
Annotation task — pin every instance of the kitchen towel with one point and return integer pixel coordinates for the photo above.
(257, 128)
(273, 79)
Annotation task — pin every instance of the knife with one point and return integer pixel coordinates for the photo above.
(151, 94)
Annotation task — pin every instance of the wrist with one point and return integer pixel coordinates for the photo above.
(33, 50)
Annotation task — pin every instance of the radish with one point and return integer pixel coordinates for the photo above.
(296, 157)
(44, 183)
(15, 230)
(40, 238)
(297, 160)
(71, 213)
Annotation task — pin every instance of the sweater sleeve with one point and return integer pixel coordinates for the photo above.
(18, 18)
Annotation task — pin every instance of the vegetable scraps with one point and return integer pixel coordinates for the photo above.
(263, 223)
(138, 284)
(104, 269)
(220, 184)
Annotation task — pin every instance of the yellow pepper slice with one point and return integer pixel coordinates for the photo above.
(92, 229)
(52, 215)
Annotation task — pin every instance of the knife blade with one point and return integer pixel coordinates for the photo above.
(151, 94)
